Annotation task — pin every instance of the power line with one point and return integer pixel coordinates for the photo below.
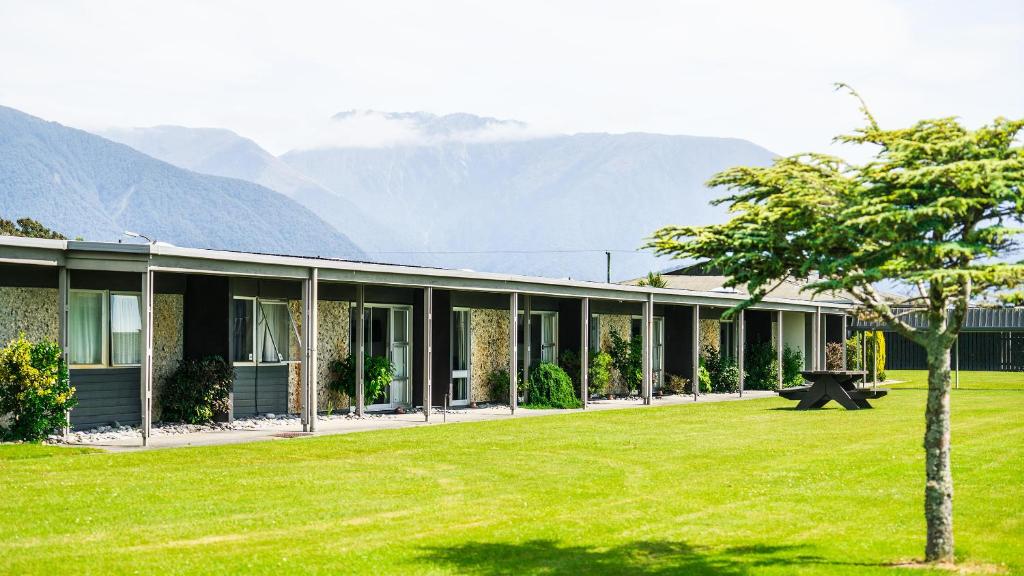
(441, 252)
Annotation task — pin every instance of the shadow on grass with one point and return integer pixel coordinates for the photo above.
(646, 558)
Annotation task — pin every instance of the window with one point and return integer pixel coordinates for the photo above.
(86, 327)
(125, 329)
(261, 331)
(595, 333)
(104, 328)
(543, 336)
(273, 326)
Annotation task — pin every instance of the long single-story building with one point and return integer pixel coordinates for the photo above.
(127, 314)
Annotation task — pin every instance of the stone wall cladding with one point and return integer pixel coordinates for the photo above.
(710, 334)
(490, 348)
(33, 311)
(168, 341)
(295, 353)
(332, 344)
(620, 323)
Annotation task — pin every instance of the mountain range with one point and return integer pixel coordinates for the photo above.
(458, 190)
(87, 186)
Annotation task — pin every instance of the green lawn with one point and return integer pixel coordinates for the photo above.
(969, 379)
(732, 488)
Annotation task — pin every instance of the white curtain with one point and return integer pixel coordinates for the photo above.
(85, 327)
(125, 329)
(273, 332)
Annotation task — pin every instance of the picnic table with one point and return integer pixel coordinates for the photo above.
(828, 385)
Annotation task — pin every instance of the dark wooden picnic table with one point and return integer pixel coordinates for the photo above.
(828, 385)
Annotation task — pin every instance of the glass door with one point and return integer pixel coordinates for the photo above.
(461, 340)
(400, 355)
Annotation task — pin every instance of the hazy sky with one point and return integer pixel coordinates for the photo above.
(275, 71)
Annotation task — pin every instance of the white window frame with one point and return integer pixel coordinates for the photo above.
(657, 372)
(104, 328)
(469, 355)
(257, 311)
(554, 337)
(110, 334)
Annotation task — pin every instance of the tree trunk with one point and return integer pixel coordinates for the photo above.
(938, 491)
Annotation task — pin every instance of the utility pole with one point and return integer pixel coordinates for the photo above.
(608, 260)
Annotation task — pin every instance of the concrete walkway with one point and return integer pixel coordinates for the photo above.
(272, 429)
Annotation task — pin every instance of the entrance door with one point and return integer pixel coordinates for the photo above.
(400, 355)
(461, 352)
(387, 332)
(658, 356)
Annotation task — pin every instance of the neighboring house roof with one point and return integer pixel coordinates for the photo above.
(978, 319)
(789, 289)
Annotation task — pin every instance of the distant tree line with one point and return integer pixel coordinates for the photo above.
(28, 228)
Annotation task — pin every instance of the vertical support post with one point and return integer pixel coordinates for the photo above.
(428, 351)
(527, 330)
(584, 351)
(956, 357)
(513, 352)
(843, 367)
(647, 346)
(360, 349)
(695, 359)
(816, 339)
(147, 355)
(312, 367)
(741, 345)
(304, 367)
(779, 346)
(62, 329)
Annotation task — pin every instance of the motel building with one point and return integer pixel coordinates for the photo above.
(127, 314)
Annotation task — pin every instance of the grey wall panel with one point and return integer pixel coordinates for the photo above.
(28, 276)
(98, 280)
(105, 396)
(260, 390)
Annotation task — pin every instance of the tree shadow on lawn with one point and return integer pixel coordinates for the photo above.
(645, 557)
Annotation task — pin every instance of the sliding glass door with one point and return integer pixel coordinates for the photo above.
(387, 332)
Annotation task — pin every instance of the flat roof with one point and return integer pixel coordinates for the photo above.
(114, 256)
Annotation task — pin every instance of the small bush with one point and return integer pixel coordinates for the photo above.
(600, 373)
(879, 362)
(723, 372)
(550, 387)
(704, 377)
(792, 366)
(498, 385)
(197, 391)
(834, 356)
(378, 372)
(627, 358)
(677, 384)
(854, 359)
(762, 366)
(569, 361)
(34, 389)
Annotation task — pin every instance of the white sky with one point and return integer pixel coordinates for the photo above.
(275, 71)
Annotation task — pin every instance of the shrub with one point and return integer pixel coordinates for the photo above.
(197, 390)
(723, 372)
(600, 372)
(834, 356)
(879, 363)
(627, 358)
(677, 384)
(550, 387)
(792, 366)
(378, 372)
(34, 389)
(498, 384)
(704, 377)
(569, 361)
(762, 366)
(853, 354)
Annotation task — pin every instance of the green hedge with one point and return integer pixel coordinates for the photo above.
(34, 389)
(550, 387)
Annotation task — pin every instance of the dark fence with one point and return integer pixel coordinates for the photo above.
(992, 351)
